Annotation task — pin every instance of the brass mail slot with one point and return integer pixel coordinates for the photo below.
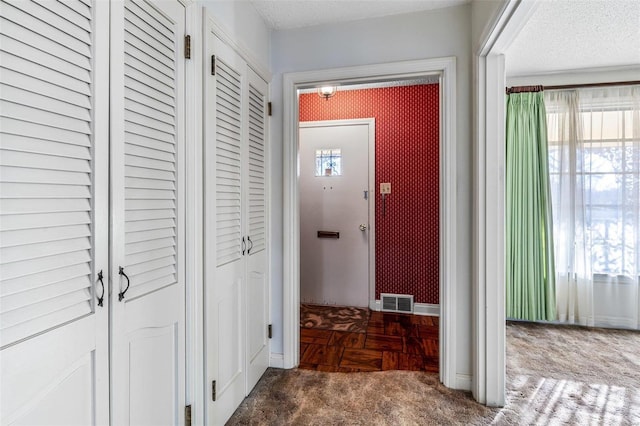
(328, 234)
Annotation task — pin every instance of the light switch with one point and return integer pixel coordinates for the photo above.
(385, 188)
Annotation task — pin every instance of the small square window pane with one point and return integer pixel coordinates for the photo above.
(328, 162)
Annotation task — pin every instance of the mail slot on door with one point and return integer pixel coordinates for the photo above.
(328, 234)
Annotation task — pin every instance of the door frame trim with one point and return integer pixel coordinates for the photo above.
(445, 68)
(371, 183)
(488, 317)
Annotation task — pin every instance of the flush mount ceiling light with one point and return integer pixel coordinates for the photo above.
(327, 91)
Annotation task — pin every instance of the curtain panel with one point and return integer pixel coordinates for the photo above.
(594, 169)
(530, 272)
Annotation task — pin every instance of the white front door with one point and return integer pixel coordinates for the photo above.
(147, 199)
(54, 360)
(335, 227)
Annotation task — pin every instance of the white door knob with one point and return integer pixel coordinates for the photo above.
(363, 227)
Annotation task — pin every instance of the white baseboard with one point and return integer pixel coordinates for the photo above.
(615, 322)
(418, 308)
(463, 382)
(430, 309)
(276, 360)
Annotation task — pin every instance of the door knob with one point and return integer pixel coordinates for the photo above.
(363, 227)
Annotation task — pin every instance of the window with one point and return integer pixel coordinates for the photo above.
(604, 161)
(328, 162)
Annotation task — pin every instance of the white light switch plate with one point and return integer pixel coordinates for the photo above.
(385, 188)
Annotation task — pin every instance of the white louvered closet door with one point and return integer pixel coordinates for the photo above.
(256, 229)
(147, 193)
(53, 212)
(224, 244)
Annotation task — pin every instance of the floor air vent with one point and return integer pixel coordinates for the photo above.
(397, 302)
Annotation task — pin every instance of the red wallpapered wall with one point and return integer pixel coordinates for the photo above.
(407, 127)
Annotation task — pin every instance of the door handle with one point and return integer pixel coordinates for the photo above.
(121, 294)
(101, 297)
(363, 227)
(244, 246)
(251, 246)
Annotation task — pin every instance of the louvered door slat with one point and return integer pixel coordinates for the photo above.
(45, 23)
(150, 160)
(45, 88)
(18, 285)
(30, 236)
(256, 167)
(228, 164)
(46, 166)
(47, 59)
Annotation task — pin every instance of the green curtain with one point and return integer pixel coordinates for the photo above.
(530, 270)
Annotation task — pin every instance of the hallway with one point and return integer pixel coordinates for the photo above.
(386, 341)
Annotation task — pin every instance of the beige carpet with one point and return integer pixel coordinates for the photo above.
(555, 375)
(339, 318)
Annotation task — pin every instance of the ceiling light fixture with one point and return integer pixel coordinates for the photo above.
(327, 91)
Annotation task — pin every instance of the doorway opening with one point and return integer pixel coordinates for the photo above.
(443, 70)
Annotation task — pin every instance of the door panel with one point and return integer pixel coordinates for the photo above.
(256, 230)
(147, 190)
(334, 271)
(224, 245)
(53, 198)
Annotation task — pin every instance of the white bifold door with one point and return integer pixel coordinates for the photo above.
(236, 286)
(147, 220)
(91, 217)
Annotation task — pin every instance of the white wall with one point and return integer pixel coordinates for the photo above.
(242, 23)
(483, 16)
(439, 33)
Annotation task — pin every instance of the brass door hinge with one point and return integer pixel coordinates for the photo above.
(213, 390)
(187, 47)
(187, 415)
(269, 109)
(270, 331)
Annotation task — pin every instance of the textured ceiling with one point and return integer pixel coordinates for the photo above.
(285, 14)
(567, 35)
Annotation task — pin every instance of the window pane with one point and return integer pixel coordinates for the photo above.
(328, 162)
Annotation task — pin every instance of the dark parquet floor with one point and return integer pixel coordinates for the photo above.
(391, 342)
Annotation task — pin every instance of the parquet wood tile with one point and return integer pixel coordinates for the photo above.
(391, 342)
(315, 335)
(322, 354)
(347, 340)
(362, 359)
(390, 360)
(384, 343)
(424, 347)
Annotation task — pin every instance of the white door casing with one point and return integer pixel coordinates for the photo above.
(147, 213)
(54, 207)
(337, 270)
(446, 69)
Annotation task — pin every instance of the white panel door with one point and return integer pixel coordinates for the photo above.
(334, 270)
(53, 212)
(147, 193)
(225, 246)
(256, 230)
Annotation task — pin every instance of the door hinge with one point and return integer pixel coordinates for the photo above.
(270, 331)
(187, 415)
(213, 390)
(269, 109)
(187, 47)
(213, 64)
